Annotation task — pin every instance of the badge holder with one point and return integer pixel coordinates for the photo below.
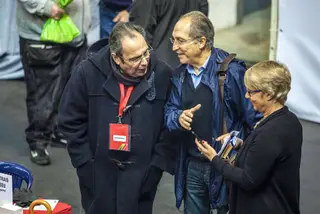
(119, 133)
(120, 137)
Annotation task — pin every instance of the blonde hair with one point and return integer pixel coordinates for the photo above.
(270, 77)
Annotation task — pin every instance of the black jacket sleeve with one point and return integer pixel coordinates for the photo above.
(164, 150)
(73, 118)
(260, 159)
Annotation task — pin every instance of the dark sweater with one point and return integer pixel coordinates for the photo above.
(266, 176)
(202, 120)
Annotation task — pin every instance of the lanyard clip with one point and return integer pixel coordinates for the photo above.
(119, 119)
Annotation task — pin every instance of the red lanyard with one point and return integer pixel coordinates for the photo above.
(124, 98)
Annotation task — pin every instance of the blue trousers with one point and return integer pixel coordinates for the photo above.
(197, 200)
(106, 23)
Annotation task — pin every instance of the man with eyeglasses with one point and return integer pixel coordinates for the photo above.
(112, 114)
(197, 109)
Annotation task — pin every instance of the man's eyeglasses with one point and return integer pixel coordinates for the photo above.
(137, 60)
(251, 92)
(180, 41)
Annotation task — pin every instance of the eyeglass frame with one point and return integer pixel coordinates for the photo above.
(172, 40)
(251, 92)
(146, 54)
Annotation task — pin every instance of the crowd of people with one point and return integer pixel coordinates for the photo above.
(155, 95)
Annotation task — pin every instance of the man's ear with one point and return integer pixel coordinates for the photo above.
(202, 42)
(116, 58)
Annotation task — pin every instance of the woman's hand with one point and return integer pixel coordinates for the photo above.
(206, 149)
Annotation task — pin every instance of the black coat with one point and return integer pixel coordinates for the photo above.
(158, 18)
(88, 105)
(266, 176)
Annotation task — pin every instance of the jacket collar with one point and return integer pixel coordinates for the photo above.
(111, 86)
(212, 62)
(275, 114)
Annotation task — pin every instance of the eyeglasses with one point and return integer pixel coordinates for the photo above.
(137, 60)
(180, 41)
(251, 92)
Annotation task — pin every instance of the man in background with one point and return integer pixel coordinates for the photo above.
(158, 17)
(112, 12)
(47, 67)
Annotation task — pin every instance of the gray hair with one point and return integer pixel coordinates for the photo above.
(200, 26)
(120, 31)
(270, 77)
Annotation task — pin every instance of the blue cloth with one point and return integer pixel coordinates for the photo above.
(106, 23)
(197, 197)
(108, 10)
(196, 78)
(238, 111)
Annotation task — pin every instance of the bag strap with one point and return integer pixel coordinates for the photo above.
(222, 76)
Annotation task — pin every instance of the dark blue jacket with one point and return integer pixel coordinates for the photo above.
(238, 111)
(117, 4)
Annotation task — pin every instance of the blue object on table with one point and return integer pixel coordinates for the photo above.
(19, 174)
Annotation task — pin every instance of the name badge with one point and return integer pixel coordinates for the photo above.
(120, 137)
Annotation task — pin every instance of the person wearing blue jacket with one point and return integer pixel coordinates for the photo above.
(194, 108)
(112, 12)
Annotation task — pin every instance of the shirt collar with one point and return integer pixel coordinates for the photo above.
(190, 68)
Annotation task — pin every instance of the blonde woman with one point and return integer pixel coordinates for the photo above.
(266, 176)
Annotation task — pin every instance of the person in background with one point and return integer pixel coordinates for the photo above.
(266, 176)
(47, 68)
(112, 114)
(112, 12)
(158, 18)
(194, 109)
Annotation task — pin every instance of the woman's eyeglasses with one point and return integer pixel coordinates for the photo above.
(251, 92)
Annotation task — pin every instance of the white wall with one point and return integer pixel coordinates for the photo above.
(298, 48)
(225, 13)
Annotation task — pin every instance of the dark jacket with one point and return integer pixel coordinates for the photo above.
(159, 17)
(238, 111)
(266, 176)
(89, 104)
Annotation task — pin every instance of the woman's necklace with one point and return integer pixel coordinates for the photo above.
(278, 108)
(255, 126)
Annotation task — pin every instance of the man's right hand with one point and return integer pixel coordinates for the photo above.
(56, 12)
(186, 117)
